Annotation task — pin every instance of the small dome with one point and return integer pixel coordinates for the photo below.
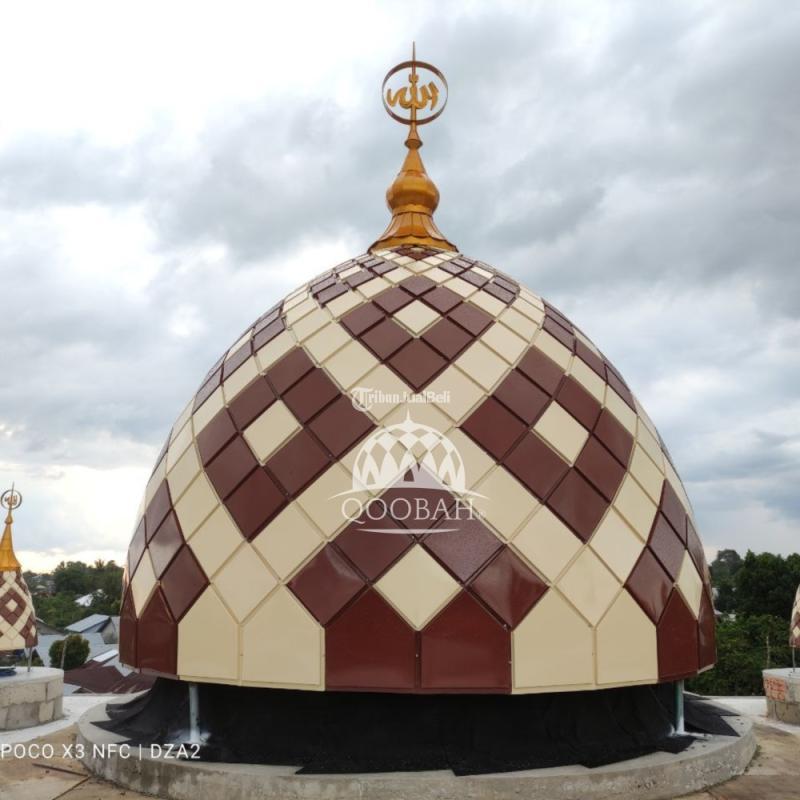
(17, 617)
(415, 475)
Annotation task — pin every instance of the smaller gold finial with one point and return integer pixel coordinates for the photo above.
(413, 196)
(9, 500)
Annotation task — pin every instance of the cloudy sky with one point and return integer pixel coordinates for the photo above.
(168, 171)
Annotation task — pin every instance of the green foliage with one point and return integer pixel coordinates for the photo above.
(103, 604)
(726, 564)
(755, 595)
(766, 584)
(59, 610)
(76, 654)
(77, 578)
(745, 646)
(73, 579)
(723, 571)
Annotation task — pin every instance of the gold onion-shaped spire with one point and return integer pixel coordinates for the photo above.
(413, 197)
(8, 560)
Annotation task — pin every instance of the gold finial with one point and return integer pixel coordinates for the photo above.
(413, 196)
(9, 500)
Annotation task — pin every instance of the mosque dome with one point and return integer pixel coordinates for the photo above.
(264, 555)
(413, 474)
(17, 617)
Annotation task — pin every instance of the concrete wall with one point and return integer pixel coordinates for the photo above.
(782, 688)
(31, 698)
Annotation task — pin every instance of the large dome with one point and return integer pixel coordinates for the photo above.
(414, 475)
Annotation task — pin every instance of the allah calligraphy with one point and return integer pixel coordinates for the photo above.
(423, 90)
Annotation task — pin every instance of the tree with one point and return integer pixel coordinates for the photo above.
(72, 577)
(107, 580)
(76, 655)
(726, 564)
(103, 604)
(723, 570)
(766, 584)
(59, 610)
(745, 646)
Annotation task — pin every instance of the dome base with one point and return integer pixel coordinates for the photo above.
(344, 732)
(709, 761)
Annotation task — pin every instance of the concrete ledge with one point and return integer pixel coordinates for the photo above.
(31, 698)
(782, 688)
(710, 760)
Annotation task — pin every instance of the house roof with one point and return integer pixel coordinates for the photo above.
(96, 644)
(92, 621)
(98, 678)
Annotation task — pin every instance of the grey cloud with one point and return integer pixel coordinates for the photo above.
(656, 166)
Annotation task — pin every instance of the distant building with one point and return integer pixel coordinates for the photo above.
(103, 624)
(85, 600)
(41, 584)
(105, 675)
(47, 630)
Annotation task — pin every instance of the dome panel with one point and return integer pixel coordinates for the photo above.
(414, 441)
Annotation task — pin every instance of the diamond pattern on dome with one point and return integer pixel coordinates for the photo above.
(231, 466)
(690, 584)
(578, 510)
(667, 546)
(417, 587)
(536, 465)
(561, 431)
(615, 438)
(244, 581)
(385, 339)
(326, 584)
(494, 428)
(626, 644)
(522, 397)
(578, 504)
(464, 550)
(417, 363)
(464, 647)
(600, 468)
(370, 646)
(157, 637)
(590, 586)
(482, 364)
(165, 543)
(650, 585)
(17, 616)
(794, 628)
(578, 402)
(270, 430)
(543, 371)
(617, 544)
(508, 587)
(678, 640)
